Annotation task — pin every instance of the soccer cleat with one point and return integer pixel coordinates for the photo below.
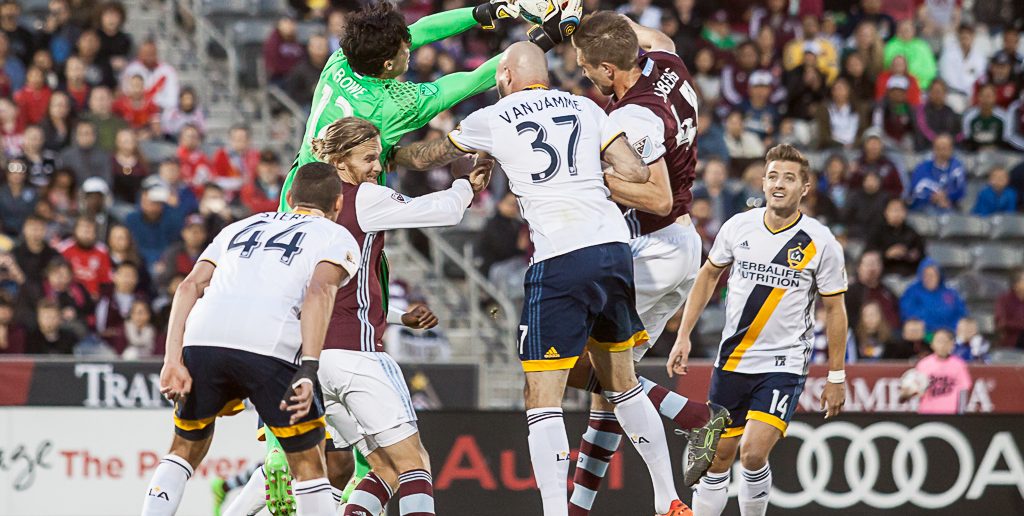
(280, 501)
(703, 442)
(217, 487)
(677, 509)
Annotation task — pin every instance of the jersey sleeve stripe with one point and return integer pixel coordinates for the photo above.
(211, 262)
(612, 139)
(457, 146)
(830, 294)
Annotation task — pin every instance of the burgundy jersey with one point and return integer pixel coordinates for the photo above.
(659, 115)
(359, 320)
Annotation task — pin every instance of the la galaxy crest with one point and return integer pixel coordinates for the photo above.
(795, 255)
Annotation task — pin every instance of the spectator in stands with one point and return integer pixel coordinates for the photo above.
(752, 191)
(41, 162)
(181, 256)
(58, 123)
(806, 88)
(336, 22)
(870, 47)
(971, 346)
(816, 203)
(12, 334)
(901, 246)
(898, 68)
(128, 168)
(735, 76)
(961, 64)
(76, 305)
(88, 258)
(984, 124)
(17, 198)
(11, 276)
(135, 106)
(84, 157)
(723, 199)
(95, 203)
(929, 299)
(869, 289)
(33, 253)
(115, 44)
(61, 194)
(75, 84)
(152, 225)
(1011, 46)
(98, 71)
(12, 128)
(711, 138)
(12, 70)
(1000, 75)
(769, 55)
(122, 249)
(742, 144)
(840, 122)
(870, 12)
(180, 197)
(49, 337)
(760, 116)
(717, 32)
(949, 381)
(811, 41)
(912, 342)
(33, 99)
(214, 208)
(834, 181)
(1010, 313)
(642, 12)
(939, 17)
(160, 79)
(894, 115)
(282, 50)
(917, 54)
(862, 86)
(139, 332)
(188, 112)
(303, 78)
(998, 196)
(864, 206)
(194, 163)
(707, 79)
(263, 192)
(873, 159)
(501, 238)
(101, 115)
(41, 59)
(938, 184)
(235, 164)
(1014, 131)
(20, 39)
(934, 117)
(59, 33)
(113, 307)
(873, 333)
(776, 15)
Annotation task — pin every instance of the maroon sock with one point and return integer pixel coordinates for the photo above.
(687, 414)
(369, 498)
(415, 493)
(599, 443)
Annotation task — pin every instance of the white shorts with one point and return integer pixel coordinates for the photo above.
(366, 399)
(665, 265)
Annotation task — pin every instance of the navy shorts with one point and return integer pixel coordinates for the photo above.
(584, 297)
(767, 397)
(223, 377)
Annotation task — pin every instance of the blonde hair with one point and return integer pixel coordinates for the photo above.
(787, 152)
(341, 137)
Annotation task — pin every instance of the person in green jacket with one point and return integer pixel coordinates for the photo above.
(920, 58)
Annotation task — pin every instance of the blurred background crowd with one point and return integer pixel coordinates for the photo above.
(911, 112)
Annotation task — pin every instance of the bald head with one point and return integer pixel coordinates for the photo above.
(522, 65)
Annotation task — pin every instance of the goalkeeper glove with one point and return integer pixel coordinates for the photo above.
(489, 13)
(558, 27)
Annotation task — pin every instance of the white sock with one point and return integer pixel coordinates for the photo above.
(313, 498)
(711, 494)
(754, 491)
(252, 498)
(167, 486)
(337, 495)
(642, 425)
(549, 453)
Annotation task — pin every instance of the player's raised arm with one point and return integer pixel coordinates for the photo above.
(651, 39)
(435, 27)
(444, 93)
(175, 381)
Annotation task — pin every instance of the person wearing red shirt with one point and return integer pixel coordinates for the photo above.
(34, 98)
(262, 193)
(1010, 314)
(1000, 76)
(89, 260)
(193, 162)
(898, 68)
(75, 84)
(134, 106)
(235, 164)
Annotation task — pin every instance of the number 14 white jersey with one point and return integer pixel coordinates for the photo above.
(263, 267)
(549, 144)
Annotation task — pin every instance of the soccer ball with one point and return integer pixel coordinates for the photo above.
(914, 381)
(539, 11)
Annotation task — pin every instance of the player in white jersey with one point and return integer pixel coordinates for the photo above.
(579, 287)
(235, 332)
(781, 260)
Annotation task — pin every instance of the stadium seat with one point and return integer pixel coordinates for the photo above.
(954, 226)
(1007, 227)
(1006, 356)
(951, 256)
(156, 151)
(978, 287)
(896, 283)
(998, 257)
(926, 225)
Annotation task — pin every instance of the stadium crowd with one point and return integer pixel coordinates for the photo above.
(904, 107)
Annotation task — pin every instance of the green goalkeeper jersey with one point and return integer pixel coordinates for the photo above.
(395, 107)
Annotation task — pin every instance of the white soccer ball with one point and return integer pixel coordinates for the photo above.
(914, 381)
(538, 11)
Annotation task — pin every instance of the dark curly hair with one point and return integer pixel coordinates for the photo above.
(374, 35)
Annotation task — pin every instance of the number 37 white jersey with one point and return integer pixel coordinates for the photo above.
(263, 267)
(549, 144)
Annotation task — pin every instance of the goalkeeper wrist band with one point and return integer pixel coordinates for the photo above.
(540, 37)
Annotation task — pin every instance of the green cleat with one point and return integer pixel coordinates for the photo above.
(280, 501)
(217, 487)
(703, 442)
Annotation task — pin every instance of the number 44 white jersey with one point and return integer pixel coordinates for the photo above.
(549, 144)
(263, 267)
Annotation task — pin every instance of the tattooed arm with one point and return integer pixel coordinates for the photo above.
(428, 154)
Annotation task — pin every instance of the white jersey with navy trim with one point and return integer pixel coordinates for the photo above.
(263, 266)
(773, 284)
(549, 144)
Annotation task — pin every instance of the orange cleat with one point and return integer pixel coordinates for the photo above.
(677, 509)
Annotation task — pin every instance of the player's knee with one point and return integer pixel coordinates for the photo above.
(753, 458)
(340, 467)
(191, 451)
